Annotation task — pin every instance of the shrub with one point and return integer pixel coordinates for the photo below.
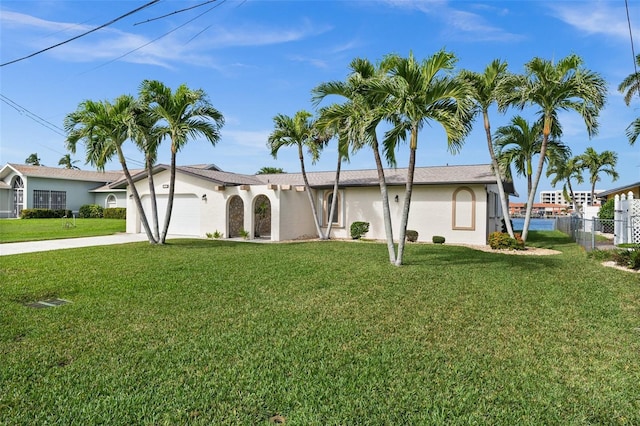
(358, 229)
(115, 213)
(502, 241)
(44, 214)
(217, 234)
(244, 234)
(412, 236)
(607, 210)
(437, 239)
(90, 211)
(629, 258)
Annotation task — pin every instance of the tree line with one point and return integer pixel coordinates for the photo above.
(405, 94)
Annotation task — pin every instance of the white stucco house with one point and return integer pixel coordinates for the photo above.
(26, 187)
(460, 203)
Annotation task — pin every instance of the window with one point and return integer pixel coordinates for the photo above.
(328, 199)
(112, 201)
(45, 199)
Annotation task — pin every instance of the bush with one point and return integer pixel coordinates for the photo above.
(115, 213)
(358, 229)
(629, 258)
(502, 241)
(437, 239)
(412, 236)
(607, 210)
(90, 211)
(44, 214)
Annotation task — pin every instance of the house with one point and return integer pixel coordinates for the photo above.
(27, 187)
(460, 203)
(621, 190)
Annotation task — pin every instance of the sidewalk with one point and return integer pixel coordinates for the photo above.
(37, 246)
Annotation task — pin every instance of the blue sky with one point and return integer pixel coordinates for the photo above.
(259, 58)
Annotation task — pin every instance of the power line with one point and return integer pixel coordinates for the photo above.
(174, 13)
(633, 52)
(82, 35)
(33, 116)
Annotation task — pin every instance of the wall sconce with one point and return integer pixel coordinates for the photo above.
(204, 197)
(396, 198)
(130, 195)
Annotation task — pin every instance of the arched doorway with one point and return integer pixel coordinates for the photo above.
(235, 216)
(18, 196)
(262, 217)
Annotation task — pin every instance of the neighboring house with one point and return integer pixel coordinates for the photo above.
(27, 187)
(460, 203)
(621, 190)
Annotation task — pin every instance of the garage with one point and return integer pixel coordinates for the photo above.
(185, 216)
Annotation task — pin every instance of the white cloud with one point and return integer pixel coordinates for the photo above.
(596, 17)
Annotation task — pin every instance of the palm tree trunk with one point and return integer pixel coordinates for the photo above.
(332, 209)
(136, 196)
(154, 202)
(386, 211)
(534, 188)
(307, 187)
(496, 170)
(172, 187)
(407, 197)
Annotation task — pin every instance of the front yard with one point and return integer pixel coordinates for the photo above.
(215, 332)
(14, 230)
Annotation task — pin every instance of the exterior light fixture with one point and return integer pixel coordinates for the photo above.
(397, 198)
(204, 197)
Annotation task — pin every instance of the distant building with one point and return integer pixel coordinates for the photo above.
(539, 209)
(582, 198)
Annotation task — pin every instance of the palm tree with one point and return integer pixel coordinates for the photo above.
(595, 163)
(144, 132)
(104, 127)
(362, 112)
(486, 91)
(33, 159)
(420, 93)
(68, 163)
(552, 87)
(565, 170)
(184, 114)
(299, 131)
(519, 142)
(631, 84)
(266, 170)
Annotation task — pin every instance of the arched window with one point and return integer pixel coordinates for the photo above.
(111, 201)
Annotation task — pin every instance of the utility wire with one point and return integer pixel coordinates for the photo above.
(155, 39)
(633, 51)
(35, 117)
(83, 34)
(174, 13)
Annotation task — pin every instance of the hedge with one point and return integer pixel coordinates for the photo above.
(115, 213)
(44, 213)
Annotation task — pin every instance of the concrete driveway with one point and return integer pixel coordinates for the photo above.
(36, 246)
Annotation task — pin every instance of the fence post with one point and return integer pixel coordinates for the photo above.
(593, 233)
(617, 221)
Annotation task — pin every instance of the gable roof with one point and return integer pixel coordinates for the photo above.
(435, 175)
(59, 173)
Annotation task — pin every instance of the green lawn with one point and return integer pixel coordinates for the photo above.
(14, 230)
(321, 333)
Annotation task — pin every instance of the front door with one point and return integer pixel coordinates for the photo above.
(18, 196)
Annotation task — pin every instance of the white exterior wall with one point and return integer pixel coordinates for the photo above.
(431, 213)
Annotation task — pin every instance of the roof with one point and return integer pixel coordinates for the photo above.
(438, 175)
(434, 175)
(617, 190)
(59, 173)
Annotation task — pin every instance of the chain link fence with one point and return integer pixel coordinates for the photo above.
(598, 234)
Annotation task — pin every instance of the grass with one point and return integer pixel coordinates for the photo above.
(15, 230)
(320, 333)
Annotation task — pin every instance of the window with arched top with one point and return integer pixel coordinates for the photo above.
(464, 209)
(112, 201)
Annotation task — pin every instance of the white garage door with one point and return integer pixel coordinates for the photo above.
(185, 215)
